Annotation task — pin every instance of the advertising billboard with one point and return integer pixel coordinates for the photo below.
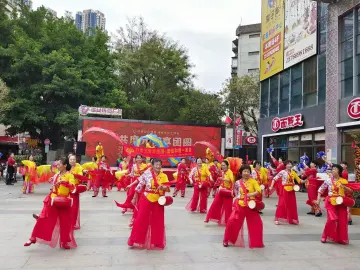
(129, 131)
(300, 31)
(272, 38)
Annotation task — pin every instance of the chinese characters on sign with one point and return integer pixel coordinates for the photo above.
(272, 38)
(85, 110)
(300, 31)
(287, 122)
(251, 140)
(353, 109)
(169, 152)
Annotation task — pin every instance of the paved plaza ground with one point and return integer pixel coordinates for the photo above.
(191, 244)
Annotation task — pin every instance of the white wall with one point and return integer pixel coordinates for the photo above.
(246, 61)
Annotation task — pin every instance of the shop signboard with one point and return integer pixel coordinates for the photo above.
(229, 138)
(300, 31)
(86, 110)
(353, 108)
(272, 38)
(287, 122)
(251, 140)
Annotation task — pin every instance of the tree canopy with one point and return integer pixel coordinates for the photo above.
(242, 94)
(50, 69)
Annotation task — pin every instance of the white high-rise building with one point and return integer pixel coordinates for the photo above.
(89, 19)
(12, 5)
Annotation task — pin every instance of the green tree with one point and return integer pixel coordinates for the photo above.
(153, 71)
(202, 108)
(242, 94)
(52, 69)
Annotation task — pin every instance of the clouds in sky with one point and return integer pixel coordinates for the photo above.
(205, 27)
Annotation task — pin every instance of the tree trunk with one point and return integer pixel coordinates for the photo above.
(244, 122)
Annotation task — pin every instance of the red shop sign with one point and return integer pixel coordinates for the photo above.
(251, 140)
(353, 108)
(287, 122)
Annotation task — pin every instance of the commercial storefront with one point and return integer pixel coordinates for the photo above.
(293, 134)
(324, 89)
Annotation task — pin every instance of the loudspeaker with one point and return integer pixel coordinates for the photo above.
(80, 148)
(68, 148)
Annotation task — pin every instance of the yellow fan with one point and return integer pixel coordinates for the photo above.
(29, 164)
(175, 175)
(89, 166)
(120, 174)
(43, 169)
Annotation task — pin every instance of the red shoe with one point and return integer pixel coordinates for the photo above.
(30, 242)
(65, 246)
(323, 240)
(130, 243)
(225, 244)
(206, 221)
(35, 216)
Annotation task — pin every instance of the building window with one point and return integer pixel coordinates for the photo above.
(253, 70)
(274, 95)
(296, 87)
(310, 82)
(254, 53)
(264, 99)
(323, 14)
(284, 91)
(254, 35)
(347, 151)
(347, 52)
(322, 79)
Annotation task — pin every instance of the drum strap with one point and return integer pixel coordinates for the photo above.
(243, 187)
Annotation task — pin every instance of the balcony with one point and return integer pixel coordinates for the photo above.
(235, 43)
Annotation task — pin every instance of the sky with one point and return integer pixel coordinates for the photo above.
(205, 27)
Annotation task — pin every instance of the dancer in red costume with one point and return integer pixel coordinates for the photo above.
(215, 176)
(77, 171)
(260, 174)
(137, 170)
(220, 209)
(200, 177)
(246, 190)
(345, 175)
(286, 210)
(181, 178)
(103, 178)
(55, 218)
(312, 186)
(336, 227)
(279, 166)
(149, 226)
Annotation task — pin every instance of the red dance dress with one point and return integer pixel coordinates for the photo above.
(200, 178)
(286, 210)
(312, 185)
(104, 178)
(220, 209)
(234, 232)
(77, 171)
(148, 230)
(181, 180)
(336, 227)
(55, 219)
(136, 171)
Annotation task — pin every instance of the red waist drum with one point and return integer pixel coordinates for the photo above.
(346, 201)
(61, 202)
(79, 189)
(165, 200)
(225, 192)
(256, 205)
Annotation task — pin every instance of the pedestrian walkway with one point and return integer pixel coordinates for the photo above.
(191, 244)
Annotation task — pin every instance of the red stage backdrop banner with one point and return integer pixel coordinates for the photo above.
(170, 152)
(172, 134)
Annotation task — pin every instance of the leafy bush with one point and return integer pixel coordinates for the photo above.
(19, 158)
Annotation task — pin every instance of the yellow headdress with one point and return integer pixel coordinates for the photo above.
(209, 155)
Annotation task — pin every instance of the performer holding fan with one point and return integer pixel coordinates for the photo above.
(221, 207)
(149, 226)
(336, 203)
(55, 217)
(200, 177)
(181, 178)
(245, 206)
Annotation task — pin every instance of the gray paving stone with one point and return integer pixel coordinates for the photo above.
(191, 244)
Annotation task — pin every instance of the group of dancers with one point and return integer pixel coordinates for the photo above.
(238, 195)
